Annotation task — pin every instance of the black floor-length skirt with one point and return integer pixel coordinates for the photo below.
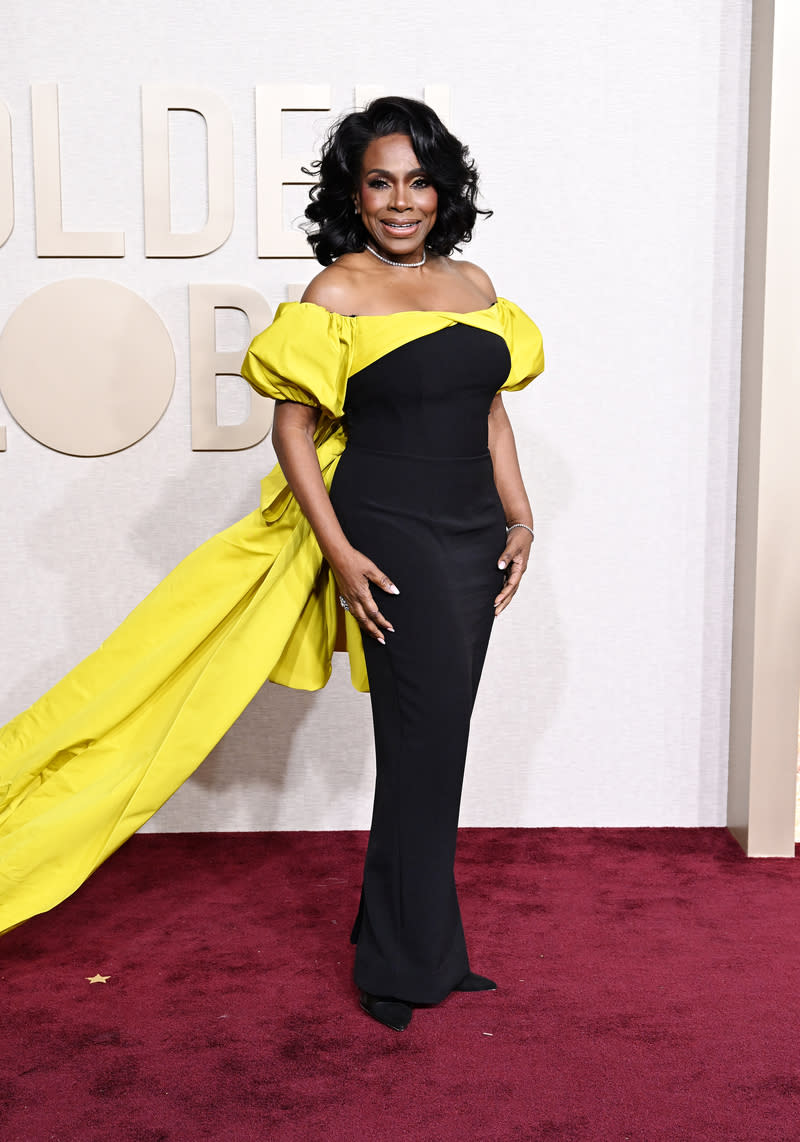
(436, 527)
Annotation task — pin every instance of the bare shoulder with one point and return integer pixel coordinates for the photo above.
(478, 277)
(332, 288)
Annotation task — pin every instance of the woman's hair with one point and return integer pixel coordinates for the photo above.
(336, 228)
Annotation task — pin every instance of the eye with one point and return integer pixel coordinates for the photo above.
(377, 183)
(421, 183)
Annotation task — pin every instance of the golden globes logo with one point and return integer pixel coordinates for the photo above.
(87, 366)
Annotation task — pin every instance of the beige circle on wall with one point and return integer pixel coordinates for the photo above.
(87, 366)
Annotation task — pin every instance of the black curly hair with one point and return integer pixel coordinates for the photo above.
(336, 228)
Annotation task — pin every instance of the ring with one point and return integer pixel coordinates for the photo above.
(344, 603)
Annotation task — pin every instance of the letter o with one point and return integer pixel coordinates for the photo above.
(87, 366)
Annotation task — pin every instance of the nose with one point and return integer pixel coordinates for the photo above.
(399, 199)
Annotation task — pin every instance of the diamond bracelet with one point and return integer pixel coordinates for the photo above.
(511, 526)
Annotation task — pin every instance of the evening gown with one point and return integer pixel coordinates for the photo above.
(402, 446)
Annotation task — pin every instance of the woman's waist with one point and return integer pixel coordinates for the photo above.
(434, 487)
(410, 457)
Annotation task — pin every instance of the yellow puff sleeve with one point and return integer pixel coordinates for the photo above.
(524, 344)
(303, 356)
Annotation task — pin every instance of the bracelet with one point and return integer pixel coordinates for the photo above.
(511, 526)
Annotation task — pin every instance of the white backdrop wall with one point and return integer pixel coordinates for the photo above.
(611, 138)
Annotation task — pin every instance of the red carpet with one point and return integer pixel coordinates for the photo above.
(649, 983)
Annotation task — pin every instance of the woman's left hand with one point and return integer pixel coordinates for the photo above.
(514, 561)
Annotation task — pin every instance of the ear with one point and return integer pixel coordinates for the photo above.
(357, 202)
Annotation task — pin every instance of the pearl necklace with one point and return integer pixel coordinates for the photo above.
(403, 265)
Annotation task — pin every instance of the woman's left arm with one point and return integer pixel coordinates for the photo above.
(508, 478)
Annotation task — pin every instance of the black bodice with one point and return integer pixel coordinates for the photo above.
(431, 396)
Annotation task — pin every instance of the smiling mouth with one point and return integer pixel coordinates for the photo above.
(400, 227)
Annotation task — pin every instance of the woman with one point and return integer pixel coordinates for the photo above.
(420, 529)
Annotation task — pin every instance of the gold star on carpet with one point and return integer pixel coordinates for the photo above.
(97, 978)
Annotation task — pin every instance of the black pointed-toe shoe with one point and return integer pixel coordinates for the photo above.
(473, 982)
(390, 1012)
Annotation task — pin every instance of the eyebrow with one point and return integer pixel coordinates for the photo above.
(389, 174)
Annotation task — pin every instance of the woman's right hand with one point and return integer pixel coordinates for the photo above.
(354, 573)
(293, 438)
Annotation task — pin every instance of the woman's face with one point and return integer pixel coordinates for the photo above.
(395, 198)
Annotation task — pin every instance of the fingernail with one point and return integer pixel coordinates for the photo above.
(393, 590)
(390, 629)
(382, 641)
(502, 564)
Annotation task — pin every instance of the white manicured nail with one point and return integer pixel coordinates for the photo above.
(502, 565)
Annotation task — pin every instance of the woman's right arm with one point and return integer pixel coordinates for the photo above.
(293, 440)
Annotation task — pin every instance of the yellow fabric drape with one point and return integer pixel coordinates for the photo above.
(100, 752)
